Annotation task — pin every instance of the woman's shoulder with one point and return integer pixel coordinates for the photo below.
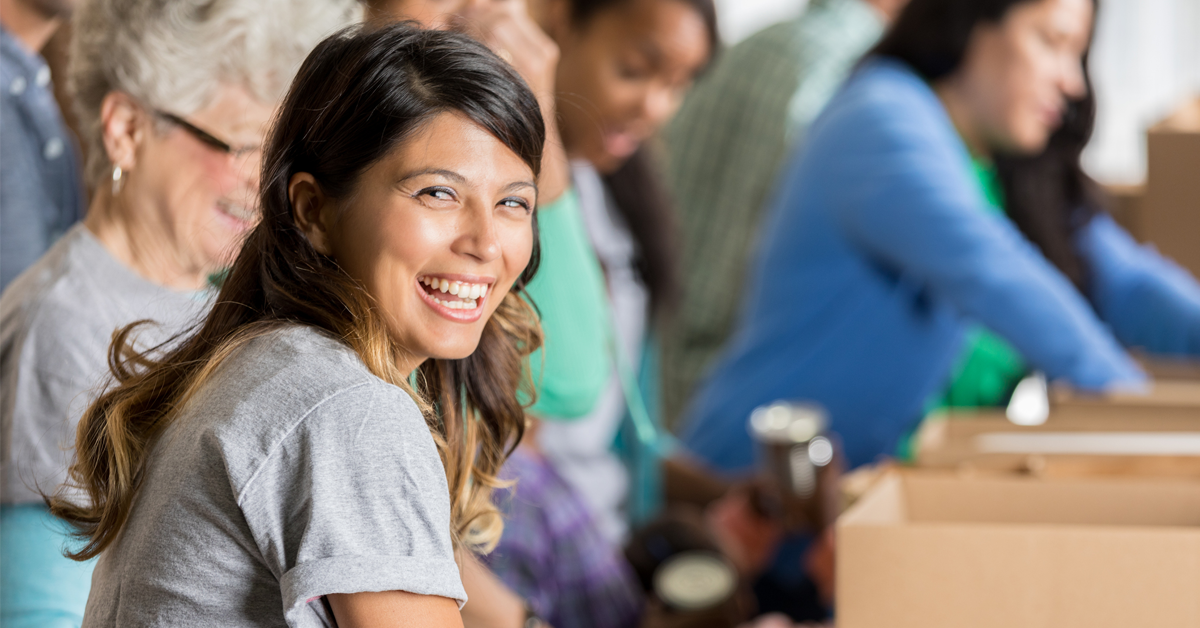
(884, 116)
(291, 390)
(54, 319)
(296, 368)
(884, 94)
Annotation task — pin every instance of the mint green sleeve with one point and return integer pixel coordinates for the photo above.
(573, 366)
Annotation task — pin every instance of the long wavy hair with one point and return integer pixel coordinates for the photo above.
(356, 98)
(1048, 196)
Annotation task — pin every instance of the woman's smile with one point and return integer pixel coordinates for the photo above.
(460, 298)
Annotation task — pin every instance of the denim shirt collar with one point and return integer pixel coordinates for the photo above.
(17, 60)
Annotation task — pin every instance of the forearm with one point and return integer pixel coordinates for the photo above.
(490, 604)
(686, 481)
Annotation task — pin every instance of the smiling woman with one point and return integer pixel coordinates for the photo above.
(174, 97)
(329, 438)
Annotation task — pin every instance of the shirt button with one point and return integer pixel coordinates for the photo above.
(43, 76)
(17, 87)
(53, 148)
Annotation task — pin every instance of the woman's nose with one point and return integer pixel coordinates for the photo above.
(1074, 86)
(658, 104)
(478, 237)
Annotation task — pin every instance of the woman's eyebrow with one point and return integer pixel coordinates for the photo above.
(517, 185)
(449, 174)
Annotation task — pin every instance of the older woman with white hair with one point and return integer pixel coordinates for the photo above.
(174, 97)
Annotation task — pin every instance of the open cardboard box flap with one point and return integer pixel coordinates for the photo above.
(1165, 396)
(1170, 210)
(927, 550)
(1073, 443)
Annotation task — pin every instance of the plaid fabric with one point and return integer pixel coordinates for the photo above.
(553, 555)
(724, 149)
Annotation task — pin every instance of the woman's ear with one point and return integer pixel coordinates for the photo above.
(122, 123)
(313, 211)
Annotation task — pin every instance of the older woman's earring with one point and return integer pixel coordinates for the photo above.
(116, 180)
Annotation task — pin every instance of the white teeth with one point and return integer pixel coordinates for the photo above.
(468, 293)
(469, 304)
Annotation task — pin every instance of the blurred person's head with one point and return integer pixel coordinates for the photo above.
(33, 22)
(1049, 196)
(428, 13)
(174, 98)
(400, 156)
(889, 9)
(45, 9)
(625, 66)
(1006, 69)
(440, 14)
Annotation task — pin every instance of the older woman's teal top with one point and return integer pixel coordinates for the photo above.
(879, 255)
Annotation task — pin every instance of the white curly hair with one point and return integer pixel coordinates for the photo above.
(173, 54)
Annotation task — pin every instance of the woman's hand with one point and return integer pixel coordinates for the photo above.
(506, 27)
(394, 609)
(747, 537)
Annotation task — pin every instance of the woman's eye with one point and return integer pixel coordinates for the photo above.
(631, 71)
(516, 203)
(441, 194)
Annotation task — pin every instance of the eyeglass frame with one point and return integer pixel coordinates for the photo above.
(206, 138)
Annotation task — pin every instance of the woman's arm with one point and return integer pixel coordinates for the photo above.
(490, 604)
(394, 609)
(903, 193)
(1148, 300)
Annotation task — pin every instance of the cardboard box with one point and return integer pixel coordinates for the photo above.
(1170, 213)
(1164, 369)
(1069, 445)
(1126, 206)
(922, 550)
(1166, 398)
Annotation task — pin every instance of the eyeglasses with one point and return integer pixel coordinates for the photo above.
(206, 138)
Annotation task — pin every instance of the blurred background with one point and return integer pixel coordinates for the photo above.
(1145, 61)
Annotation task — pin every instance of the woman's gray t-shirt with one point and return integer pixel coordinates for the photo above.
(56, 323)
(292, 473)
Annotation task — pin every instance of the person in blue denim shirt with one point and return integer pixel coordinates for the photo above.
(41, 192)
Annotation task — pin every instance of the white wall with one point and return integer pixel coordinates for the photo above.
(1146, 60)
(741, 18)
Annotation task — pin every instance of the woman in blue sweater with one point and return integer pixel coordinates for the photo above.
(888, 255)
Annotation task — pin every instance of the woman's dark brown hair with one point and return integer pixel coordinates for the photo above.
(356, 98)
(1048, 196)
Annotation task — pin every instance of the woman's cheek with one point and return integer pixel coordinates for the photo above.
(522, 249)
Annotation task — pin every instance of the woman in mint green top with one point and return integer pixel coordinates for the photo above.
(573, 366)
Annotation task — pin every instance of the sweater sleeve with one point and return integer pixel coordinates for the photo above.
(573, 366)
(1149, 301)
(913, 210)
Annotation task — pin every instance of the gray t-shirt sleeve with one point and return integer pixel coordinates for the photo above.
(354, 499)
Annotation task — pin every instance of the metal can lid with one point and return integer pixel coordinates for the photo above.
(694, 580)
(788, 422)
